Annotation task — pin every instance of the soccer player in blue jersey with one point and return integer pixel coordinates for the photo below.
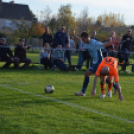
(94, 48)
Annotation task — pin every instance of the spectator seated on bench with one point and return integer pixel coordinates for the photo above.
(4, 50)
(45, 56)
(20, 55)
(58, 58)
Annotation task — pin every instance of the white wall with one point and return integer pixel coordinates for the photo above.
(11, 23)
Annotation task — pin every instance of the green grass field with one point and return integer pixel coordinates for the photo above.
(26, 109)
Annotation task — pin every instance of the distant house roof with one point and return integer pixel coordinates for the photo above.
(15, 11)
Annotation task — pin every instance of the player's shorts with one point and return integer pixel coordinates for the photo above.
(94, 67)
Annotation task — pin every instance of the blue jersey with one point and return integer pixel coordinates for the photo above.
(94, 50)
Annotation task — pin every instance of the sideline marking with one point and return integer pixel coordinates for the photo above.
(66, 103)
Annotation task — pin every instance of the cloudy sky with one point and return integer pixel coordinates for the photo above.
(96, 7)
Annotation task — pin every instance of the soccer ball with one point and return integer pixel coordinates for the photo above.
(49, 89)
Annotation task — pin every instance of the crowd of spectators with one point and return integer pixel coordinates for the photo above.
(59, 48)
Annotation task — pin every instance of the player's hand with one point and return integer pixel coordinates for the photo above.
(93, 93)
(121, 98)
(128, 39)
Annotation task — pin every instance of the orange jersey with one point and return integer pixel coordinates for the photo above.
(112, 63)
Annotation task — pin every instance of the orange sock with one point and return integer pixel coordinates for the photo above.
(103, 86)
(110, 86)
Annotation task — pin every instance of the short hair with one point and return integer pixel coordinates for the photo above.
(85, 35)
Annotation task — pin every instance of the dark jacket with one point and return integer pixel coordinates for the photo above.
(5, 51)
(19, 52)
(60, 38)
(47, 38)
(127, 44)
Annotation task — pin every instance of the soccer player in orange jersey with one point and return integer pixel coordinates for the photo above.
(108, 67)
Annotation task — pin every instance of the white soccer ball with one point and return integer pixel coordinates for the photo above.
(49, 89)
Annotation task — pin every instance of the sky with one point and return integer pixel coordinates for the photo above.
(95, 7)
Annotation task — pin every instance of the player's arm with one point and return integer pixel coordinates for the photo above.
(109, 43)
(93, 93)
(76, 37)
(119, 91)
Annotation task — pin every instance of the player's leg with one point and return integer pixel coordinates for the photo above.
(114, 85)
(110, 85)
(85, 83)
(103, 86)
(89, 73)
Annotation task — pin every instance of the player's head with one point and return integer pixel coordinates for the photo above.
(85, 37)
(129, 32)
(59, 47)
(105, 71)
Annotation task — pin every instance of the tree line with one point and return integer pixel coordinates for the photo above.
(65, 16)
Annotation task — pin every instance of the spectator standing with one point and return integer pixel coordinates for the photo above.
(45, 56)
(126, 47)
(60, 38)
(4, 51)
(20, 55)
(94, 36)
(47, 37)
(116, 44)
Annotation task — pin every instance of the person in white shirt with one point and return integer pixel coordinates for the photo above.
(45, 56)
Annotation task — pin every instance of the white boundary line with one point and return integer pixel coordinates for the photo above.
(25, 83)
(98, 82)
(69, 104)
